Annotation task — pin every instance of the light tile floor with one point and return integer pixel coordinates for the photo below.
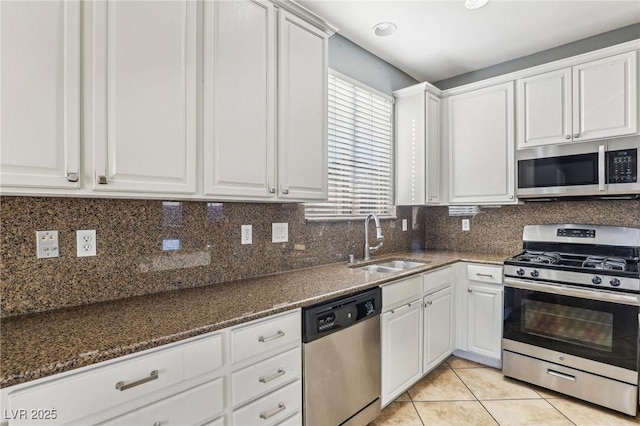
(461, 392)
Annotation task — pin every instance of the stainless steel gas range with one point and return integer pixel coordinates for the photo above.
(572, 312)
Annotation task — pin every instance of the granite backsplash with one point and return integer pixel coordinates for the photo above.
(499, 230)
(148, 246)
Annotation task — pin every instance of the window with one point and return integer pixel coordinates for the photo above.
(360, 152)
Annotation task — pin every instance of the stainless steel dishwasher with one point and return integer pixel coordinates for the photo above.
(341, 356)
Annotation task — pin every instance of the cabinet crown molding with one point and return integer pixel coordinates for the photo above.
(417, 88)
(307, 15)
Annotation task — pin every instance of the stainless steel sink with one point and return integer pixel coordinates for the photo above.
(390, 266)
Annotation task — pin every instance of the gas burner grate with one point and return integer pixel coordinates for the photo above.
(606, 263)
(540, 257)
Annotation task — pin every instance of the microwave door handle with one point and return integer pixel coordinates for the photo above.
(601, 168)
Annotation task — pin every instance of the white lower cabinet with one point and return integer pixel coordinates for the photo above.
(480, 314)
(192, 382)
(401, 339)
(417, 328)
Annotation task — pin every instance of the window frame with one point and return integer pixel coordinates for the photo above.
(392, 206)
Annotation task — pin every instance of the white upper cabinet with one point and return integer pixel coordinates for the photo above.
(239, 102)
(417, 147)
(302, 109)
(594, 100)
(252, 47)
(144, 96)
(481, 146)
(40, 91)
(605, 96)
(544, 109)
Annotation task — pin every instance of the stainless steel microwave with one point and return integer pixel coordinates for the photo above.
(598, 168)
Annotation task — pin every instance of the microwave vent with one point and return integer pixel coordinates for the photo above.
(464, 210)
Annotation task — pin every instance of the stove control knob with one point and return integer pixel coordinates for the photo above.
(614, 282)
(535, 273)
(520, 272)
(596, 280)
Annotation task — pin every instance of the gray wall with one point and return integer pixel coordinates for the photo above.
(352, 60)
(589, 44)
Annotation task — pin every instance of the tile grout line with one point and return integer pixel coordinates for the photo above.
(474, 395)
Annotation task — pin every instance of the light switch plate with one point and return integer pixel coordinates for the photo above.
(279, 232)
(47, 244)
(466, 226)
(247, 231)
(404, 224)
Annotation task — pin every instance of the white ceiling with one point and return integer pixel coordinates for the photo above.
(438, 39)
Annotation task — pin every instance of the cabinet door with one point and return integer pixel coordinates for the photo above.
(239, 87)
(481, 142)
(484, 318)
(40, 91)
(605, 94)
(544, 109)
(302, 109)
(144, 103)
(401, 332)
(433, 149)
(438, 327)
(410, 150)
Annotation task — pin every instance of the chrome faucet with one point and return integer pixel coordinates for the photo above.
(369, 250)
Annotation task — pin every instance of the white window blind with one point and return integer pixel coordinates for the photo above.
(360, 153)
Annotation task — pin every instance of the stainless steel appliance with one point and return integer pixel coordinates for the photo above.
(599, 168)
(341, 357)
(572, 312)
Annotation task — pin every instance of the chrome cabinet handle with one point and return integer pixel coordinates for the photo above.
(285, 191)
(567, 136)
(72, 177)
(263, 339)
(576, 135)
(102, 180)
(484, 275)
(122, 386)
(272, 190)
(430, 302)
(267, 414)
(469, 290)
(280, 372)
(157, 424)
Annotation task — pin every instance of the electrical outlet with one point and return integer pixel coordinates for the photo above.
(47, 244)
(279, 232)
(404, 224)
(466, 226)
(86, 242)
(246, 231)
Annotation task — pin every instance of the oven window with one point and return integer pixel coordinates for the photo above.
(569, 170)
(569, 324)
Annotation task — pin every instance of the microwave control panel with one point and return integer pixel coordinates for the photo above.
(622, 166)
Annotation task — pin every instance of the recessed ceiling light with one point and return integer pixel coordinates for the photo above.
(475, 4)
(384, 29)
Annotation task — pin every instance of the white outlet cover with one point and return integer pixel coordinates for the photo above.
(466, 225)
(246, 234)
(279, 232)
(404, 224)
(47, 244)
(86, 243)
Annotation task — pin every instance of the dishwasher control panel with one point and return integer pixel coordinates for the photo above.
(334, 315)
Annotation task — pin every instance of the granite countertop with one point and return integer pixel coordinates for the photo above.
(39, 345)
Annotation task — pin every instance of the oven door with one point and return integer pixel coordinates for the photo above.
(599, 326)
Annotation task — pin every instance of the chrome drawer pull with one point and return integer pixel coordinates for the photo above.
(561, 375)
(265, 415)
(263, 339)
(280, 372)
(72, 177)
(121, 386)
(484, 275)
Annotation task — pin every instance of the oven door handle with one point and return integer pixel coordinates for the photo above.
(573, 292)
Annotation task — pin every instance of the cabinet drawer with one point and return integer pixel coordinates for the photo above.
(95, 390)
(487, 274)
(440, 278)
(265, 376)
(191, 407)
(400, 291)
(263, 336)
(271, 409)
(203, 355)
